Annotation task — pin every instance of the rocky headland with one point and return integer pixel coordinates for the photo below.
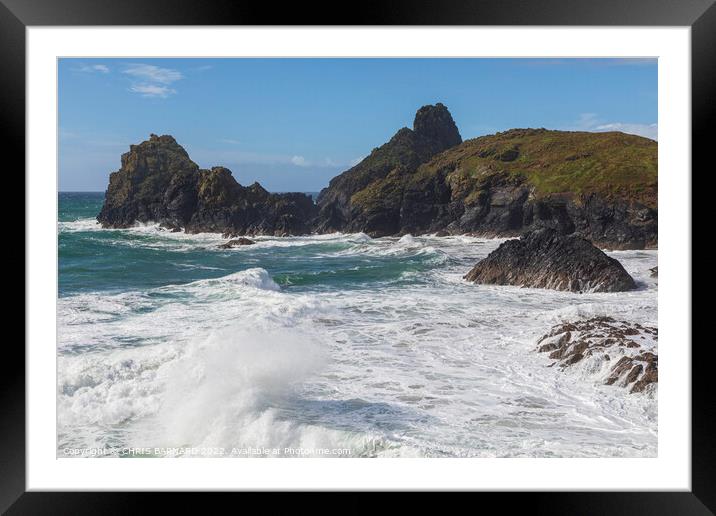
(545, 259)
(618, 352)
(600, 186)
(158, 182)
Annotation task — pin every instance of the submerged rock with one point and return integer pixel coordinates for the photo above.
(169, 227)
(545, 259)
(654, 272)
(622, 353)
(236, 243)
(158, 182)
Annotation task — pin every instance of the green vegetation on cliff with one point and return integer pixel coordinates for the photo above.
(613, 164)
(600, 185)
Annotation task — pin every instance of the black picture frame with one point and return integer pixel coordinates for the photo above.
(700, 15)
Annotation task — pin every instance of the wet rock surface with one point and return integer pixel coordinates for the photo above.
(617, 352)
(546, 259)
(237, 242)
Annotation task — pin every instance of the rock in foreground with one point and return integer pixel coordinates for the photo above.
(545, 259)
(624, 354)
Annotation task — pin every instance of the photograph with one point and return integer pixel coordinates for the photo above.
(357, 257)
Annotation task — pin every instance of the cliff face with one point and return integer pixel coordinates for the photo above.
(157, 182)
(602, 186)
(433, 132)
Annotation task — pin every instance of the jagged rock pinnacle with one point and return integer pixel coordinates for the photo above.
(436, 123)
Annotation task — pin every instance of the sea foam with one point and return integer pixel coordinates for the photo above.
(421, 364)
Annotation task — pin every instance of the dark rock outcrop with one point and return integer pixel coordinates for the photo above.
(433, 132)
(545, 259)
(625, 350)
(654, 272)
(236, 243)
(158, 182)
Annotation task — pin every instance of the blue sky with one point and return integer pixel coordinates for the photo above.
(293, 124)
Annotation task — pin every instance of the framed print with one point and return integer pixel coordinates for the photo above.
(421, 249)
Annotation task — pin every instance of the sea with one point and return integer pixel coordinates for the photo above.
(336, 345)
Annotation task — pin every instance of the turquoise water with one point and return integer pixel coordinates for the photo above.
(376, 347)
(92, 260)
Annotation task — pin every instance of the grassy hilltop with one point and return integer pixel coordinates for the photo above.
(612, 164)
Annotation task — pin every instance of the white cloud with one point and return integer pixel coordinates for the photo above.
(92, 68)
(591, 122)
(645, 130)
(153, 74)
(152, 81)
(232, 153)
(299, 161)
(152, 90)
(329, 162)
(230, 141)
(587, 120)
